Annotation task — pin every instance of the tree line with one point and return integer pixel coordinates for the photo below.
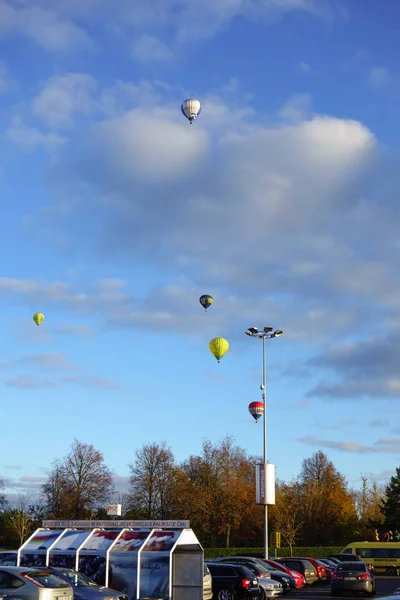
(215, 491)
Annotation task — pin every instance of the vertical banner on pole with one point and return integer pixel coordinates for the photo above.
(270, 483)
(265, 483)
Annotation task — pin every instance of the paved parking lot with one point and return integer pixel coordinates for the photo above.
(384, 587)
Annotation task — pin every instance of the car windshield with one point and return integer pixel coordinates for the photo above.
(45, 579)
(77, 579)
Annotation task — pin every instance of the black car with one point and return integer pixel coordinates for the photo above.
(351, 577)
(261, 569)
(348, 557)
(233, 582)
(288, 582)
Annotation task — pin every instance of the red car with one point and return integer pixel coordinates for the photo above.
(298, 577)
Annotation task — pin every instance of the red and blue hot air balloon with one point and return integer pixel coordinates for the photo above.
(256, 409)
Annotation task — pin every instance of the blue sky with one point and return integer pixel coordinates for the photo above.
(280, 202)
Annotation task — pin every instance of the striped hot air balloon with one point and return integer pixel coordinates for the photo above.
(191, 109)
(256, 409)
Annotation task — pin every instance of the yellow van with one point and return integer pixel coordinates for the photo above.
(384, 556)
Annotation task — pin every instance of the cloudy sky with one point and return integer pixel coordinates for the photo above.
(281, 201)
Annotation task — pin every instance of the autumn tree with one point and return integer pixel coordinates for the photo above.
(151, 482)
(287, 513)
(390, 506)
(217, 493)
(328, 506)
(368, 500)
(79, 484)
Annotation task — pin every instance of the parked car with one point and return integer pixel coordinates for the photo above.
(207, 583)
(330, 562)
(269, 588)
(319, 568)
(298, 577)
(233, 582)
(329, 568)
(83, 587)
(288, 581)
(302, 566)
(353, 577)
(33, 584)
(8, 557)
(348, 557)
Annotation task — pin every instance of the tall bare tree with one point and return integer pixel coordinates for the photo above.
(151, 481)
(3, 500)
(19, 519)
(78, 484)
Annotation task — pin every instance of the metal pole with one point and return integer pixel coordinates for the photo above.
(264, 396)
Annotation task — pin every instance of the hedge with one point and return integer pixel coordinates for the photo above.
(314, 551)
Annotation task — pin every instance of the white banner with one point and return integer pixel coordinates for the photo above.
(265, 483)
(117, 524)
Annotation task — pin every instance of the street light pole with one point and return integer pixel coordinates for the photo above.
(264, 397)
(266, 334)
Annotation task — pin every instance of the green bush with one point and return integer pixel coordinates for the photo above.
(210, 553)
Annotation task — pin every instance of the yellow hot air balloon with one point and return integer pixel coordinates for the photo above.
(38, 318)
(219, 347)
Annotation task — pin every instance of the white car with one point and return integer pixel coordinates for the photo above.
(269, 588)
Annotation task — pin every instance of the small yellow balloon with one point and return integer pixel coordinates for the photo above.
(218, 347)
(38, 318)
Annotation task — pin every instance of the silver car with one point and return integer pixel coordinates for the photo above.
(85, 588)
(23, 583)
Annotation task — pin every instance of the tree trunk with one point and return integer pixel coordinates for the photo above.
(228, 535)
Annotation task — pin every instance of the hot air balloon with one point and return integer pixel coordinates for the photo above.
(219, 347)
(256, 409)
(38, 318)
(191, 109)
(206, 301)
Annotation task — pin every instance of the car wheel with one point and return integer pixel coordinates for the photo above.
(262, 595)
(392, 571)
(225, 594)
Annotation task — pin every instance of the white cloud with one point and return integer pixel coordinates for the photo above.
(305, 68)
(57, 25)
(63, 96)
(42, 26)
(149, 148)
(29, 382)
(98, 296)
(6, 82)
(30, 138)
(148, 48)
(379, 77)
(75, 329)
(296, 109)
(51, 370)
(381, 446)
